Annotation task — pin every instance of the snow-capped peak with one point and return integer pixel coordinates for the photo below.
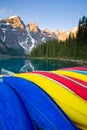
(14, 16)
(15, 21)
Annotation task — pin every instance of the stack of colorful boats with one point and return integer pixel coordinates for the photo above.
(45, 100)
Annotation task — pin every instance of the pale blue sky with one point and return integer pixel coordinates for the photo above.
(61, 14)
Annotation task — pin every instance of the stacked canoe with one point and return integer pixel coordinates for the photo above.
(44, 100)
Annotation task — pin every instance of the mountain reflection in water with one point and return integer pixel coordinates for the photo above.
(27, 65)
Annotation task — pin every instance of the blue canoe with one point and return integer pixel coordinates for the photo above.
(13, 114)
(45, 113)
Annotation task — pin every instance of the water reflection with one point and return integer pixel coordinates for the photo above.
(26, 65)
(16, 65)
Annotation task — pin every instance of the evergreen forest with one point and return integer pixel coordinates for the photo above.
(72, 48)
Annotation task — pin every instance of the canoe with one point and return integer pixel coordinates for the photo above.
(45, 113)
(82, 70)
(81, 81)
(75, 68)
(12, 112)
(72, 74)
(79, 89)
(73, 105)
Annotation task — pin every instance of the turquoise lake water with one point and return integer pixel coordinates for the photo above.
(25, 65)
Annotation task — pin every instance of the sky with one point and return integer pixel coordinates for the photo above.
(52, 14)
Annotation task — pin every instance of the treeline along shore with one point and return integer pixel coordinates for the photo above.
(73, 48)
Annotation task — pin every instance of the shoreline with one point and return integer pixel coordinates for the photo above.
(82, 62)
(10, 57)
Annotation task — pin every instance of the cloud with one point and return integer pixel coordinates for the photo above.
(2, 10)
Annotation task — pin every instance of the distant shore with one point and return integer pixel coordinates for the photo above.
(9, 56)
(82, 62)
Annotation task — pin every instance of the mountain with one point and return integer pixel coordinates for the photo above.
(14, 35)
(39, 35)
(15, 21)
(62, 36)
(19, 39)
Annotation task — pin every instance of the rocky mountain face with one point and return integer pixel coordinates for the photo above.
(62, 36)
(16, 38)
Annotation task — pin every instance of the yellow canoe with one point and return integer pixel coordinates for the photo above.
(74, 106)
